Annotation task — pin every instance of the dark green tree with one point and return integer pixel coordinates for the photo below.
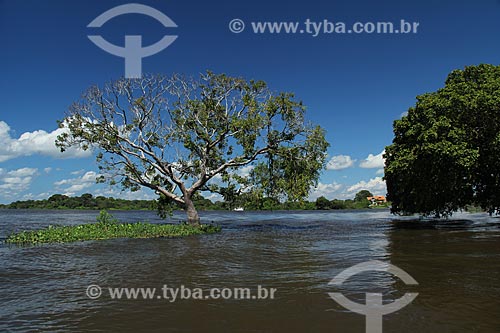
(337, 204)
(174, 135)
(87, 200)
(57, 201)
(362, 195)
(446, 151)
(322, 203)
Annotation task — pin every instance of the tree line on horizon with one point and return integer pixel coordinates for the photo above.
(244, 200)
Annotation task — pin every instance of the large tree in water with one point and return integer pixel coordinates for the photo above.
(174, 135)
(446, 151)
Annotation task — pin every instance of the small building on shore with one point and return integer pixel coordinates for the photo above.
(377, 200)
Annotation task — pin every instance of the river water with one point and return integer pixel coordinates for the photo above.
(456, 265)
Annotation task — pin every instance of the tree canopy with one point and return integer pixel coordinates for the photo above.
(362, 195)
(179, 136)
(446, 151)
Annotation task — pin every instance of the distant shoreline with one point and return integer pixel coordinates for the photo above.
(201, 210)
(88, 202)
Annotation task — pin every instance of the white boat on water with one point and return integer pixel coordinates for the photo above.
(238, 209)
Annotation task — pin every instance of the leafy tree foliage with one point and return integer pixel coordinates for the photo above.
(322, 203)
(362, 195)
(337, 204)
(446, 151)
(175, 134)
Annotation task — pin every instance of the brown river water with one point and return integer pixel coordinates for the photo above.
(456, 265)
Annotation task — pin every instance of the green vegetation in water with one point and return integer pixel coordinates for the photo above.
(107, 227)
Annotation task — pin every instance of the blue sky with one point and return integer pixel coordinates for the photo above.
(354, 85)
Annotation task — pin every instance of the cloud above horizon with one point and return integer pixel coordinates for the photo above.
(340, 162)
(37, 142)
(72, 186)
(375, 185)
(15, 181)
(329, 191)
(373, 161)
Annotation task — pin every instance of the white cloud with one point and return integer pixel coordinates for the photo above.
(72, 186)
(28, 196)
(23, 172)
(217, 179)
(16, 181)
(375, 185)
(212, 196)
(41, 196)
(329, 191)
(79, 185)
(244, 171)
(373, 161)
(340, 162)
(37, 142)
(47, 170)
(380, 172)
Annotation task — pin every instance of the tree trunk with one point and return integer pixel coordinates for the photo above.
(192, 214)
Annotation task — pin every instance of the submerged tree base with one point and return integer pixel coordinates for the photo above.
(108, 228)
